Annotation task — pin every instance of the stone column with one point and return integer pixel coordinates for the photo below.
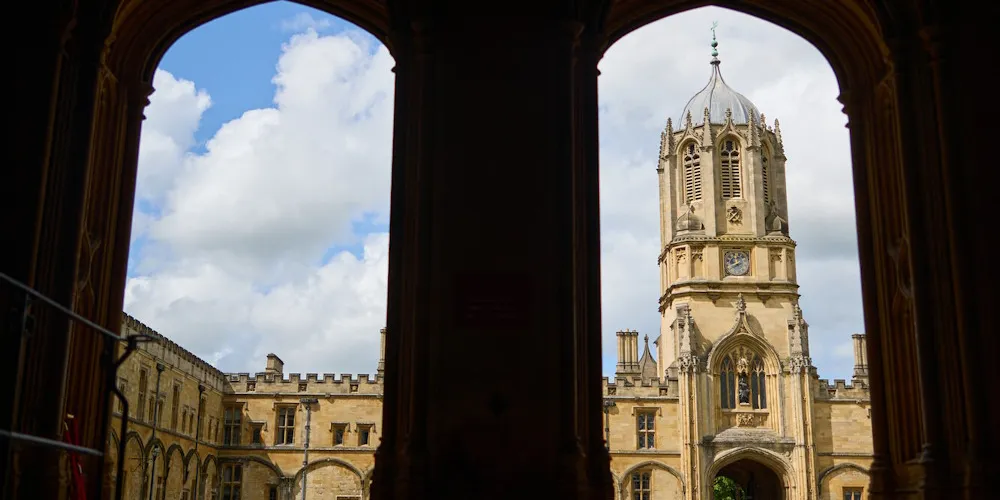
(587, 260)
(286, 488)
(56, 368)
(487, 126)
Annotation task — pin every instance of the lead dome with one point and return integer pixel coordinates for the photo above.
(719, 97)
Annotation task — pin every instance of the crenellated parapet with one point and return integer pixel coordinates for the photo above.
(840, 389)
(310, 383)
(166, 351)
(639, 387)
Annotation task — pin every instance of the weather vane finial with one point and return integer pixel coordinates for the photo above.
(715, 52)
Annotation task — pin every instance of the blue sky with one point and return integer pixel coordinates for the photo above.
(263, 189)
(235, 57)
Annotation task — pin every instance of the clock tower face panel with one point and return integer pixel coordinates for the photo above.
(736, 262)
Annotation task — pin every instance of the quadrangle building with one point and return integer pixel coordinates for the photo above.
(731, 390)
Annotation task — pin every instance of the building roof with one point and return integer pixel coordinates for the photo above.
(719, 98)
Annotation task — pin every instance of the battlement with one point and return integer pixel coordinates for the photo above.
(624, 386)
(840, 389)
(312, 383)
(166, 351)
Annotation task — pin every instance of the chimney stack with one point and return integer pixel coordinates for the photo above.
(628, 353)
(381, 354)
(275, 366)
(860, 357)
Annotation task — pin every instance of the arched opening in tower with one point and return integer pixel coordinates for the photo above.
(747, 479)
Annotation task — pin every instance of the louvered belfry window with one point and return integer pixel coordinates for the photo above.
(692, 174)
(764, 178)
(730, 169)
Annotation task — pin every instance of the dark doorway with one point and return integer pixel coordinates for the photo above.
(748, 480)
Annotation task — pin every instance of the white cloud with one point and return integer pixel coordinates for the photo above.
(278, 186)
(236, 261)
(304, 21)
(172, 118)
(233, 262)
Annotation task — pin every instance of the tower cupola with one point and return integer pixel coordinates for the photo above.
(718, 97)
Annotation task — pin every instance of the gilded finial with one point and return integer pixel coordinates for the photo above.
(715, 43)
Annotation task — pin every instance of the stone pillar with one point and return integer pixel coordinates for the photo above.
(803, 457)
(587, 261)
(286, 488)
(486, 116)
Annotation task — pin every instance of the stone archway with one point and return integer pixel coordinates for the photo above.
(756, 480)
(920, 181)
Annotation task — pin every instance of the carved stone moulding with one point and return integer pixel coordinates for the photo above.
(746, 420)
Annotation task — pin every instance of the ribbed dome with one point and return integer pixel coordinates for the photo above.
(718, 97)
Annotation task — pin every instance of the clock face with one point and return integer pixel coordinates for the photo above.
(737, 262)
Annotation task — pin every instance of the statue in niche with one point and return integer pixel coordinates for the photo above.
(744, 390)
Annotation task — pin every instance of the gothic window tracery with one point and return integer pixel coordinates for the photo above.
(692, 174)
(758, 384)
(729, 164)
(742, 380)
(727, 378)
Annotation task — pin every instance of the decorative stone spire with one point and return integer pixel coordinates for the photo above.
(798, 333)
(741, 305)
(706, 130)
(647, 363)
(754, 133)
(777, 134)
(667, 140)
(670, 135)
(688, 123)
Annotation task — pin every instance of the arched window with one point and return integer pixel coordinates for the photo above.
(692, 174)
(765, 180)
(729, 163)
(641, 489)
(742, 380)
(727, 384)
(758, 384)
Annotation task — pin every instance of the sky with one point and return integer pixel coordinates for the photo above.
(261, 220)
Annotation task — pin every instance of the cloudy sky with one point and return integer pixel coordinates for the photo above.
(262, 210)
